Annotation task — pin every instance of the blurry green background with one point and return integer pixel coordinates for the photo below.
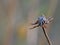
(17, 15)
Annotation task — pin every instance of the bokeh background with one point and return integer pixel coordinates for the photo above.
(16, 17)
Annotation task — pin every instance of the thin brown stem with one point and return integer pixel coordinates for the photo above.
(48, 40)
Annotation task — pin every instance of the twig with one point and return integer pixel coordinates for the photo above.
(48, 40)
